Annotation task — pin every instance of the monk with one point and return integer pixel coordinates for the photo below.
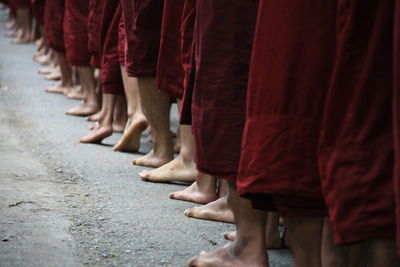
(142, 20)
(357, 151)
(111, 78)
(136, 120)
(76, 43)
(218, 109)
(53, 24)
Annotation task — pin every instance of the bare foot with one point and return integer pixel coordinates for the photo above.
(45, 70)
(194, 194)
(130, 140)
(83, 109)
(55, 75)
(57, 88)
(96, 117)
(11, 34)
(175, 170)
(98, 134)
(230, 255)
(153, 160)
(217, 210)
(22, 38)
(75, 94)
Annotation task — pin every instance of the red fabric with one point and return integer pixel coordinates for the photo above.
(188, 62)
(76, 32)
(111, 78)
(121, 41)
(170, 73)
(396, 118)
(356, 145)
(288, 81)
(94, 20)
(54, 17)
(223, 38)
(38, 7)
(143, 28)
(20, 4)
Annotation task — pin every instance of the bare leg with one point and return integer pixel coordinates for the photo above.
(383, 253)
(136, 123)
(305, 237)
(89, 105)
(157, 108)
(272, 237)
(66, 76)
(249, 248)
(330, 254)
(25, 27)
(202, 191)
(120, 115)
(105, 126)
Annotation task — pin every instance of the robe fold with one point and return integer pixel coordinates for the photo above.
(111, 78)
(38, 7)
(288, 81)
(223, 38)
(356, 152)
(76, 32)
(142, 20)
(170, 72)
(53, 24)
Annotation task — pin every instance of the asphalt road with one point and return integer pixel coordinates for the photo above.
(63, 203)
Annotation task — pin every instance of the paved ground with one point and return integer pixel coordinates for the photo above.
(68, 204)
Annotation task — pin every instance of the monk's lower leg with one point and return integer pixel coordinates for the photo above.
(331, 254)
(24, 25)
(305, 237)
(157, 108)
(136, 121)
(89, 105)
(120, 114)
(104, 128)
(65, 85)
(248, 249)
(383, 253)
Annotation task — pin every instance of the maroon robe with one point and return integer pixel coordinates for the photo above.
(288, 81)
(38, 7)
(121, 41)
(111, 78)
(396, 119)
(54, 17)
(76, 32)
(20, 4)
(142, 20)
(357, 141)
(170, 72)
(94, 21)
(223, 38)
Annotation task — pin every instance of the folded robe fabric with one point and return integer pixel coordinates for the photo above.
(142, 20)
(111, 78)
(223, 39)
(54, 24)
(288, 81)
(396, 118)
(76, 32)
(94, 21)
(19, 4)
(357, 142)
(38, 7)
(170, 72)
